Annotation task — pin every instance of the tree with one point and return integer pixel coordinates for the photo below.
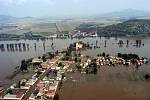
(79, 54)
(56, 97)
(94, 68)
(76, 59)
(147, 76)
(78, 66)
(43, 58)
(79, 59)
(119, 55)
(23, 65)
(60, 64)
(103, 54)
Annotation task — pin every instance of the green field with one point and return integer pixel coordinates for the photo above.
(53, 27)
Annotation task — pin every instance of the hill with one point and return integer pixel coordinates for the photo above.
(130, 27)
(6, 18)
(126, 14)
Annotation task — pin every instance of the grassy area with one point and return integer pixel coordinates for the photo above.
(48, 28)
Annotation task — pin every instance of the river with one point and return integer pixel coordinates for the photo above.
(10, 58)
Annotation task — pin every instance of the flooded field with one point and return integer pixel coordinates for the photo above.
(111, 83)
(10, 58)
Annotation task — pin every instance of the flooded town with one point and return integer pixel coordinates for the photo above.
(74, 50)
(78, 70)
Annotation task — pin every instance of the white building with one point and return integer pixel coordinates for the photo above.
(79, 46)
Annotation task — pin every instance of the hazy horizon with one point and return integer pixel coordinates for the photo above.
(65, 8)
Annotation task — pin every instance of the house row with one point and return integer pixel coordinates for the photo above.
(21, 89)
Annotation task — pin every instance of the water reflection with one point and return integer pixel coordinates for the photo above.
(14, 47)
(120, 43)
(19, 46)
(127, 44)
(52, 46)
(35, 46)
(28, 47)
(2, 48)
(44, 46)
(105, 43)
(25, 47)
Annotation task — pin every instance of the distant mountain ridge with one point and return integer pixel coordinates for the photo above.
(120, 15)
(6, 18)
(9, 19)
(126, 14)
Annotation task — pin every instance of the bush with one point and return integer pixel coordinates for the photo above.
(56, 97)
(60, 64)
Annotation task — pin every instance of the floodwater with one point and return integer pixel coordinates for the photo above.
(10, 58)
(111, 83)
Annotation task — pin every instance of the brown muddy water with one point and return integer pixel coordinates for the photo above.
(10, 58)
(111, 83)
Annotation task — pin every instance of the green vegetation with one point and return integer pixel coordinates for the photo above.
(56, 97)
(60, 64)
(92, 69)
(136, 77)
(131, 27)
(104, 27)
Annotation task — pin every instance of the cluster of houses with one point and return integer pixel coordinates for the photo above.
(42, 85)
(46, 88)
(79, 34)
(111, 60)
(116, 60)
(17, 90)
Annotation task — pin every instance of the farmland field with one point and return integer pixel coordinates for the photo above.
(52, 27)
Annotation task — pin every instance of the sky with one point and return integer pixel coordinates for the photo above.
(43, 8)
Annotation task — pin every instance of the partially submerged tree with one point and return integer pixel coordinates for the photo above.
(23, 65)
(56, 97)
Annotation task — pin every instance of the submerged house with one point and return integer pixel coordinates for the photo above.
(79, 45)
